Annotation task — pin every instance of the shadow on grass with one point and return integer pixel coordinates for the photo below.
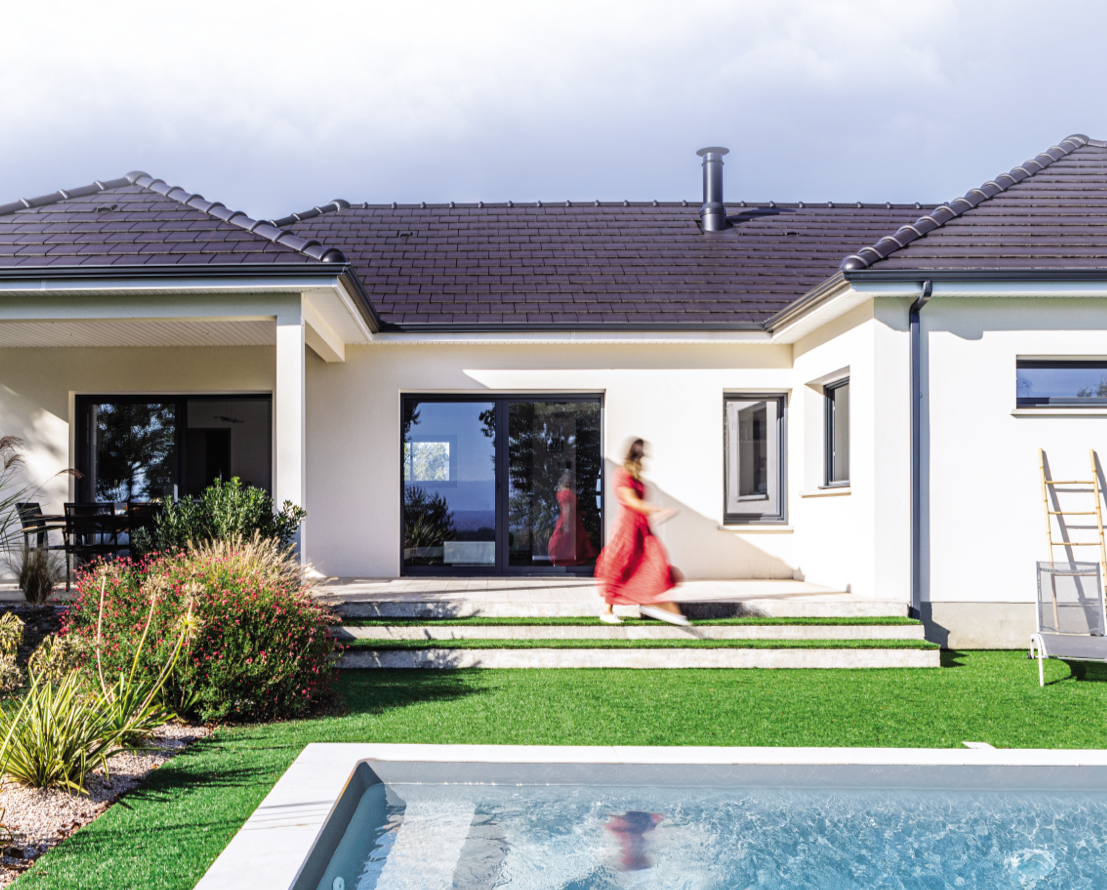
(1086, 671)
(375, 691)
(951, 658)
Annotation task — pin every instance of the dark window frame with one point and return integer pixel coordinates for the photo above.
(1058, 402)
(780, 517)
(830, 425)
(501, 567)
(82, 441)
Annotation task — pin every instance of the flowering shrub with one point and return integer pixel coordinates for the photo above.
(260, 646)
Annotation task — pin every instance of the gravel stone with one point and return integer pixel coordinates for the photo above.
(42, 818)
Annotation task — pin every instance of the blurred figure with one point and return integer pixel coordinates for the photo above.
(633, 568)
(569, 543)
(631, 829)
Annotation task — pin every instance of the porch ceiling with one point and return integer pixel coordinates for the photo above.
(159, 332)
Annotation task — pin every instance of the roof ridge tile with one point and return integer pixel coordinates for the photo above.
(938, 217)
(216, 209)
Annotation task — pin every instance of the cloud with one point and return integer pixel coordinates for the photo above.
(274, 106)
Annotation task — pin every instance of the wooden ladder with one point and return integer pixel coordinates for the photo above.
(1052, 502)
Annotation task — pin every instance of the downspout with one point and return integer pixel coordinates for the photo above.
(916, 450)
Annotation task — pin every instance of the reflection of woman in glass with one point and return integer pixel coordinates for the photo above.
(569, 543)
(633, 568)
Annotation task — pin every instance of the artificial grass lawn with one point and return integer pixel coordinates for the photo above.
(165, 835)
(590, 622)
(382, 645)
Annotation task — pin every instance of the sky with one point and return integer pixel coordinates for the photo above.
(273, 107)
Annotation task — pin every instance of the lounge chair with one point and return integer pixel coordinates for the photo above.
(1071, 614)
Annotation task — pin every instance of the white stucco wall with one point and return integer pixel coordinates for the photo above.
(984, 525)
(856, 539)
(670, 395)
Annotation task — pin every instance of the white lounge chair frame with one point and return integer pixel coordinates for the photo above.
(1050, 639)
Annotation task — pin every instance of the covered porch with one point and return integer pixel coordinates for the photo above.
(151, 388)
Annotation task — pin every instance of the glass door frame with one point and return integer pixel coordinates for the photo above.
(501, 567)
(83, 439)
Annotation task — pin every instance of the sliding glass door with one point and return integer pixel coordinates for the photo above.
(147, 447)
(501, 486)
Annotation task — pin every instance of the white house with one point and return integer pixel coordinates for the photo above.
(446, 388)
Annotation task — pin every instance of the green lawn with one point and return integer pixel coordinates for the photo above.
(166, 834)
(382, 645)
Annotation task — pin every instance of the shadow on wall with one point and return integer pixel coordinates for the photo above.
(696, 544)
(46, 445)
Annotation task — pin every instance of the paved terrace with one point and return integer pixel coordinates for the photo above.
(523, 597)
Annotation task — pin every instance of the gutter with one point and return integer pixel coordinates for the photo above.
(916, 448)
(861, 275)
(42, 276)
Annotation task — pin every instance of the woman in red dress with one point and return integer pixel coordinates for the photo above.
(633, 569)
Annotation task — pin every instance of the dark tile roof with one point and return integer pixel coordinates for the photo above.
(573, 264)
(1047, 214)
(141, 221)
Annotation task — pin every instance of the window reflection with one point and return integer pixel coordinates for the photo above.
(449, 483)
(554, 465)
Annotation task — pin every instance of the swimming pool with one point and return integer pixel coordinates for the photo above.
(583, 818)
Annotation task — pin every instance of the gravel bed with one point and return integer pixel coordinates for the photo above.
(41, 819)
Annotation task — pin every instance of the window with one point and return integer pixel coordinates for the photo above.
(753, 447)
(837, 433)
(502, 485)
(142, 447)
(1049, 382)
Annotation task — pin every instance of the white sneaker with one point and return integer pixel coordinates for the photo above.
(610, 618)
(664, 615)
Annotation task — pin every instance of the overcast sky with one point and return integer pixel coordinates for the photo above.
(273, 106)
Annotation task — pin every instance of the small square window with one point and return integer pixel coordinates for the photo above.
(837, 433)
(753, 445)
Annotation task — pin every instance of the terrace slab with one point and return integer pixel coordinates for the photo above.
(646, 659)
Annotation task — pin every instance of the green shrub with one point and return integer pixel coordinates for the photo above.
(261, 646)
(225, 510)
(58, 735)
(11, 634)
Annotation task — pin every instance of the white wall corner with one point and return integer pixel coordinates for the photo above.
(321, 337)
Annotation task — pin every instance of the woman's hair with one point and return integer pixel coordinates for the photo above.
(632, 463)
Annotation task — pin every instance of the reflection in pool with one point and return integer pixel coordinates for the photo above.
(579, 837)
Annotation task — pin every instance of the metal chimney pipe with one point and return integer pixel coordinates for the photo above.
(713, 213)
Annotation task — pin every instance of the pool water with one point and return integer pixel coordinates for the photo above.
(586, 837)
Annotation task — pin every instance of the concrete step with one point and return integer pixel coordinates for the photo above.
(636, 632)
(452, 659)
(407, 608)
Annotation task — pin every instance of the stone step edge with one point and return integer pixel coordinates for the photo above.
(648, 659)
(752, 608)
(635, 632)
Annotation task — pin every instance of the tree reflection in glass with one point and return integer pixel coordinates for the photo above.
(554, 465)
(135, 450)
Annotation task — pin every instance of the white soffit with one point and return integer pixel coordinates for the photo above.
(14, 334)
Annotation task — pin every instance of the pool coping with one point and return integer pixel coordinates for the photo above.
(269, 850)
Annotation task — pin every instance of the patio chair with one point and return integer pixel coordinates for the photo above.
(91, 530)
(33, 522)
(1071, 614)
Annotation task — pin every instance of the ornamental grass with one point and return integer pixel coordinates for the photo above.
(260, 647)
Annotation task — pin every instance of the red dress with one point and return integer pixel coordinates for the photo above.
(633, 567)
(569, 543)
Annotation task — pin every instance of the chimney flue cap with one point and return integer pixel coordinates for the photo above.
(714, 149)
